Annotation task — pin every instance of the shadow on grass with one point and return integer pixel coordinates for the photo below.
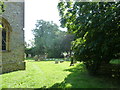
(79, 78)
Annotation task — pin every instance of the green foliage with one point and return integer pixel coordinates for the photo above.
(67, 42)
(1, 7)
(96, 26)
(115, 61)
(48, 39)
(30, 51)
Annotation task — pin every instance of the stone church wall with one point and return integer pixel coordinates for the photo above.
(14, 58)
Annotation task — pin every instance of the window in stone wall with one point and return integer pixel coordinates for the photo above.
(6, 29)
(3, 39)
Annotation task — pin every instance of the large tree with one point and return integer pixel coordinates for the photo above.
(96, 26)
(48, 39)
(67, 42)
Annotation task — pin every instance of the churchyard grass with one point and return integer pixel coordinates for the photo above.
(47, 74)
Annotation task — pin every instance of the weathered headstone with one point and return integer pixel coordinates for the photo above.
(61, 61)
(36, 57)
(29, 55)
(56, 62)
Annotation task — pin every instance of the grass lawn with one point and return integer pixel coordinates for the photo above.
(115, 61)
(47, 74)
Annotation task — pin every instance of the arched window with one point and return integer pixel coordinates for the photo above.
(6, 29)
(4, 39)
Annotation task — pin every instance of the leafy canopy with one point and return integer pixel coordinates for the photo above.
(48, 39)
(96, 26)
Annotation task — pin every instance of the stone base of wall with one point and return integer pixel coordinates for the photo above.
(9, 67)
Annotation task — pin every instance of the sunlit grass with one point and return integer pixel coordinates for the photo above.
(47, 74)
(116, 61)
(37, 74)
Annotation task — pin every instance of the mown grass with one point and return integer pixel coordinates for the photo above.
(47, 74)
(115, 61)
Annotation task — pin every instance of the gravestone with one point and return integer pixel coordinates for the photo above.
(56, 62)
(36, 57)
(61, 61)
(29, 55)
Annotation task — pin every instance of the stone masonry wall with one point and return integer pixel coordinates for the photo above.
(0, 60)
(14, 58)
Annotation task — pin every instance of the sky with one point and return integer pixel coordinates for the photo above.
(39, 9)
